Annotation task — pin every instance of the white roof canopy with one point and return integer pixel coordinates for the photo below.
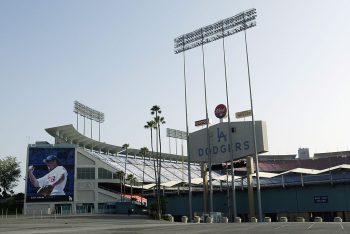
(171, 183)
(70, 135)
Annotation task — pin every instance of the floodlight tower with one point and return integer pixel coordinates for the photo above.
(199, 37)
(89, 113)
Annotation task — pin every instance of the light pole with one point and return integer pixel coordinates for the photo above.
(188, 145)
(254, 133)
(207, 128)
(87, 112)
(207, 34)
(229, 133)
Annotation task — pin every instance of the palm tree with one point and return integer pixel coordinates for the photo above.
(152, 125)
(120, 175)
(132, 179)
(143, 151)
(125, 147)
(159, 120)
(155, 110)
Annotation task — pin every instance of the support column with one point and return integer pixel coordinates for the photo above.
(204, 175)
(250, 171)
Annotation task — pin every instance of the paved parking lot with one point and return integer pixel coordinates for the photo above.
(139, 224)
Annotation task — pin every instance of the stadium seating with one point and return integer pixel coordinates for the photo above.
(171, 170)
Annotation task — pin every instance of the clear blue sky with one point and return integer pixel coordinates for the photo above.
(117, 57)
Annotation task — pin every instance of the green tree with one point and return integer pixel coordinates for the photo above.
(132, 180)
(10, 172)
(143, 151)
(120, 175)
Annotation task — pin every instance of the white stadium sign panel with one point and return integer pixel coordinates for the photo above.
(220, 147)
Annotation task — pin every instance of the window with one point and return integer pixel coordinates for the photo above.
(104, 174)
(87, 173)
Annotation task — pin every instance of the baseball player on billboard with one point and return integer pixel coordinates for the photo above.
(52, 183)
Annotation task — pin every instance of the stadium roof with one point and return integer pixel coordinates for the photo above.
(149, 186)
(68, 134)
(303, 171)
(263, 174)
(226, 178)
(278, 166)
(171, 183)
(332, 154)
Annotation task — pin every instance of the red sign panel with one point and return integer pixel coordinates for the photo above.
(220, 111)
(201, 122)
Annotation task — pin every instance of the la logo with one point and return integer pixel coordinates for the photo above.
(221, 135)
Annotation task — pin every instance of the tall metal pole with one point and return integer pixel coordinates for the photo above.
(254, 134)
(208, 135)
(77, 122)
(188, 145)
(197, 38)
(228, 193)
(169, 146)
(176, 146)
(84, 125)
(229, 133)
(91, 128)
(99, 131)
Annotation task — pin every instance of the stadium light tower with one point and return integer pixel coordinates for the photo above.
(199, 37)
(93, 115)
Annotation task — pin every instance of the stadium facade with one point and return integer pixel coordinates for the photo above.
(291, 187)
(93, 184)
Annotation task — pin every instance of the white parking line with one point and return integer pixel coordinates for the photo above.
(310, 226)
(281, 226)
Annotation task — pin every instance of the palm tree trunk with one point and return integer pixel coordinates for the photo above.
(154, 162)
(143, 176)
(131, 192)
(158, 179)
(126, 158)
(160, 158)
(121, 188)
(155, 171)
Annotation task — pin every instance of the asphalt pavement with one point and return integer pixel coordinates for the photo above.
(104, 224)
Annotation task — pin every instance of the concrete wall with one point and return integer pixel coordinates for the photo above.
(289, 201)
(36, 209)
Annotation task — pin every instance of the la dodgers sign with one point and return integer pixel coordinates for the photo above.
(220, 147)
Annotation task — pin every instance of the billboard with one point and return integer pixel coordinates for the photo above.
(219, 142)
(50, 174)
(243, 114)
(201, 122)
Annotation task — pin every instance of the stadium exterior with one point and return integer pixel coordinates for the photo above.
(290, 187)
(96, 184)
